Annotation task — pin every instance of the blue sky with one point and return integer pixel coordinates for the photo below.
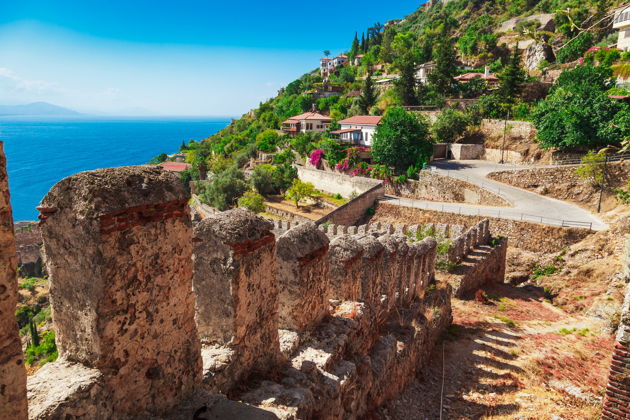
(185, 57)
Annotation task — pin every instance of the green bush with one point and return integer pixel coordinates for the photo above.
(224, 189)
(43, 353)
(252, 201)
(449, 126)
(267, 141)
(575, 48)
(263, 179)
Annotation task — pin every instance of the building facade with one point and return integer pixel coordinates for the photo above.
(622, 23)
(309, 121)
(358, 130)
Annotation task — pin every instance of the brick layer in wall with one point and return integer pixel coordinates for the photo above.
(617, 401)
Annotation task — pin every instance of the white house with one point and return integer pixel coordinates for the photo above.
(622, 22)
(422, 75)
(309, 121)
(358, 130)
(328, 65)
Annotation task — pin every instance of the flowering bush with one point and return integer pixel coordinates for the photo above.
(316, 157)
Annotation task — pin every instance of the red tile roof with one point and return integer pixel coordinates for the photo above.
(345, 130)
(619, 96)
(325, 59)
(310, 116)
(362, 120)
(471, 76)
(175, 166)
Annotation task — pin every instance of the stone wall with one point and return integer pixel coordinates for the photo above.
(434, 187)
(617, 400)
(354, 210)
(118, 251)
(508, 156)
(563, 183)
(523, 130)
(12, 373)
(334, 183)
(533, 237)
(466, 151)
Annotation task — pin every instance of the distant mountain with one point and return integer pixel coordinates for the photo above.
(36, 108)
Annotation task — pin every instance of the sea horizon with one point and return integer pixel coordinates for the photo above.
(42, 150)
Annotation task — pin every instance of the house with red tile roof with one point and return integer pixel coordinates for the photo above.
(328, 65)
(358, 130)
(486, 75)
(308, 121)
(175, 166)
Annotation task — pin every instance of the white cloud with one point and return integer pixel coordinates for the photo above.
(14, 82)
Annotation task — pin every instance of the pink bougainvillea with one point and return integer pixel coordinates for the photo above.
(316, 157)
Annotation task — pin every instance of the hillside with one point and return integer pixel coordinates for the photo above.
(503, 55)
(36, 108)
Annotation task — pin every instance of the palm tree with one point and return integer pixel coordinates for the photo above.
(326, 53)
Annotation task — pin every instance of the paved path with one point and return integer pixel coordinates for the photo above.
(526, 205)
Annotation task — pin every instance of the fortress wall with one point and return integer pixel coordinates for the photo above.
(236, 296)
(302, 275)
(617, 399)
(118, 250)
(12, 373)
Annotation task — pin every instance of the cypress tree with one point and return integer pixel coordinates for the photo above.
(33, 330)
(368, 95)
(363, 42)
(405, 86)
(354, 50)
(512, 77)
(441, 78)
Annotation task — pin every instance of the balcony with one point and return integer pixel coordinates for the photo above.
(622, 18)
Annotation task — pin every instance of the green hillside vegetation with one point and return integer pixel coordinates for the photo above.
(462, 31)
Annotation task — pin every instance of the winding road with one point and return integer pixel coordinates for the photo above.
(526, 205)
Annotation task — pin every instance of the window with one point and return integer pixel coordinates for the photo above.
(309, 126)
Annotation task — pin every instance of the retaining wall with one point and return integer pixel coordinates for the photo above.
(334, 183)
(354, 210)
(434, 187)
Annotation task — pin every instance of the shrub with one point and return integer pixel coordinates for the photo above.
(267, 141)
(316, 157)
(44, 352)
(263, 179)
(575, 48)
(224, 189)
(158, 159)
(592, 168)
(450, 125)
(252, 201)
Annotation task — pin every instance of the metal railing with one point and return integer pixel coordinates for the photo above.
(500, 214)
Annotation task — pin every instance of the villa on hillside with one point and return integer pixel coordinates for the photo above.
(358, 130)
(622, 22)
(422, 75)
(309, 121)
(492, 80)
(357, 59)
(328, 65)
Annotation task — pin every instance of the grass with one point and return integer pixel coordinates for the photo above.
(582, 333)
(30, 283)
(547, 270)
(507, 321)
(336, 199)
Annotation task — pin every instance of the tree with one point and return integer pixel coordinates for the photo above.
(512, 77)
(401, 140)
(600, 77)
(355, 49)
(363, 44)
(368, 95)
(592, 168)
(300, 191)
(263, 179)
(405, 86)
(574, 49)
(326, 53)
(284, 176)
(158, 159)
(224, 189)
(267, 141)
(386, 53)
(449, 126)
(441, 78)
(580, 117)
(252, 201)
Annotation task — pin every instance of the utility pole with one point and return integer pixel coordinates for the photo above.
(507, 117)
(601, 188)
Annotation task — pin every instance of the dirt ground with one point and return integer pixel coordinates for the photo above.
(312, 211)
(514, 357)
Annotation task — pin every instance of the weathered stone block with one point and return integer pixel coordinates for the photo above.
(372, 270)
(12, 373)
(236, 294)
(345, 268)
(302, 272)
(119, 253)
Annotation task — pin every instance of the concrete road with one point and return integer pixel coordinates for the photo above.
(526, 205)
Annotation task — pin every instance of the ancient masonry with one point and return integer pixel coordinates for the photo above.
(235, 317)
(617, 400)
(12, 373)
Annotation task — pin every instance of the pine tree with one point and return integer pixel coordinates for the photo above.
(405, 86)
(368, 95)
(354, 50)
(441, 78)
(512, 77)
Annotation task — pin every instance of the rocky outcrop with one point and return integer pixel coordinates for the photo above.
(536, 54)
(12, 373)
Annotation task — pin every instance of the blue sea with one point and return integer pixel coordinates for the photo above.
(40, 152)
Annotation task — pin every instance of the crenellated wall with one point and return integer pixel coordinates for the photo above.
(12, 373)
(157, 319)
